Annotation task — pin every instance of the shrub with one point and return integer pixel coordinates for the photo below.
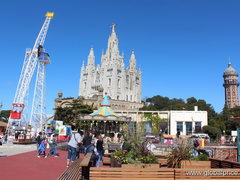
(213, 132)
(179, 153)
(201, 157)
(133, 157)
(150, 159)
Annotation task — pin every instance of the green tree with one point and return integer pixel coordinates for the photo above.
(218, 123)
(71, 113)
(191, 102)
(202, 106)
(228, 117)
(155, 122)
(213, 132)
(4, 115)
(160, 103)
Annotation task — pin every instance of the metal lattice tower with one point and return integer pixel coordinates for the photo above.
(29, 66)
(38, 113)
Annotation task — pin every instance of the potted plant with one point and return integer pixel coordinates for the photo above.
(180, 152)
(181, 157)
(134, 155)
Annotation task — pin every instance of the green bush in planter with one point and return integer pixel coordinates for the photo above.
(201, 157)
(133, 157)
(150, 159)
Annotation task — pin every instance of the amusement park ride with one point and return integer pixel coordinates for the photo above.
(36, 56)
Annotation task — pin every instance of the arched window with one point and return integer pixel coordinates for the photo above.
(85, 85)
(118, 83)
(109, 82)
(127, 79)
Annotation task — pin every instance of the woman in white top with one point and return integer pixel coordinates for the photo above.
(75, 139)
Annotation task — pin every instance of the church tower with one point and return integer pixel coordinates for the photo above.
(120, 82)
(231, 87)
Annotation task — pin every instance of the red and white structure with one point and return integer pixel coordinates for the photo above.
(19, 113)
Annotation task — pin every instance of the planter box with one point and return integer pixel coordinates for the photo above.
(162, 162)
(114, 162)
(196, 164)
(140, 165)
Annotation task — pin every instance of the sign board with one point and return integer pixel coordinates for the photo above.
(58, 124)
(62, 130)
(233, 133)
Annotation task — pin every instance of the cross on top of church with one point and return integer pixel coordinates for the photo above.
(113, 27)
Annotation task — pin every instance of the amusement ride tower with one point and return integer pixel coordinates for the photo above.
(19, 114)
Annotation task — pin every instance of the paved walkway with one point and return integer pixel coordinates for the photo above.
(10, 149)
(26, 166)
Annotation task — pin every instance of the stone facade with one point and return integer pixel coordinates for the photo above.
(121, 84)
(95, 101)
(231, 87)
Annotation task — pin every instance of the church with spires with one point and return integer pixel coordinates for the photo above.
(112, 76)
(122, 84)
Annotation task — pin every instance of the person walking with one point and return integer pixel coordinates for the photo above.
(75, 139)
(38, 142)
(99, 148)
(42, 149)
(5, 137)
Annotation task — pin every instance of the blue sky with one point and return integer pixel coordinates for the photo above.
(181, 46)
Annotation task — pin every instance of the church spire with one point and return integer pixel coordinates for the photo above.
(133, 62)
(91, 58)
(82, 64)
(113, 28)
(112, 50)
(91, 53)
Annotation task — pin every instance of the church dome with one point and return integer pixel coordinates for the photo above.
(230, 71)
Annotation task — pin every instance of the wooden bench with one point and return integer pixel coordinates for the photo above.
(196, 164)
(217, 163)
(85, 165)
(73, 172)
(132, 174)
(78, 169)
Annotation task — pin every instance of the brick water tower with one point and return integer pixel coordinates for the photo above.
(231, 87)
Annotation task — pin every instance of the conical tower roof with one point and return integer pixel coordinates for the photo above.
(230, 71)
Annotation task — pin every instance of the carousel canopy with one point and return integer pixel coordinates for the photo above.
(105, 113)
(104, 109)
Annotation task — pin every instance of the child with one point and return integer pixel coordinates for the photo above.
(53, 145)
(42, 149)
